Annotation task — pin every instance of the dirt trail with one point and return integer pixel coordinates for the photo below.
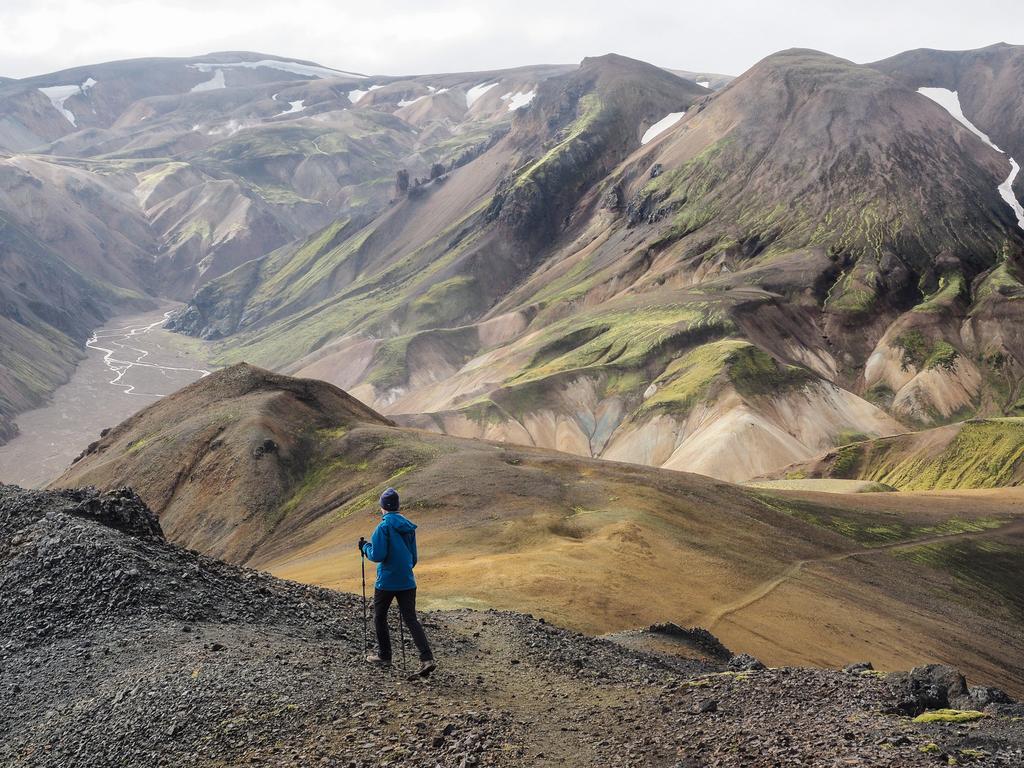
(766, 588)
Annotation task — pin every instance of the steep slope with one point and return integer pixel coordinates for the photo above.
(735, 295)
(108, 655)
(990, 82)
(284, 474)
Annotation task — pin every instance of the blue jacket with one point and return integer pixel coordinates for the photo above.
(393, 548)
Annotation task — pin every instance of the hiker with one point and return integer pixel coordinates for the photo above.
(393, 548)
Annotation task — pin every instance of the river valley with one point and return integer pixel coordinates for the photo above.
(131, 362)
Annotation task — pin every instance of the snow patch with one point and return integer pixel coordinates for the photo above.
(518, 100)
(661, 126)
(58, 94)
(230, 128)
(215, 83)
(410, 102)
(294, 106)
(950, 100)
(704, 83)
(356, 93)
(293, 67)
(474, 93)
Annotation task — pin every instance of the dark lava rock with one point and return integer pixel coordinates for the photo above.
(979, 697)
(696, 637)
(744, 662)
(934, 686)
(120, 509)
(261, 450)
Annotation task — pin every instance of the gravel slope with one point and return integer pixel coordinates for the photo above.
(120, 649)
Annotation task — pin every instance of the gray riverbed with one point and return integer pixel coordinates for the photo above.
(131, 362)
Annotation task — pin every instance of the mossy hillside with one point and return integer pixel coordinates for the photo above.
(362, 149)
(848, 200)
(451, 148)
(861, 229)
(925, 354)
(151, 177)
(991, 567)
(872, 528)
(952, 288)
(276, 194)
(626, 338)
(341, 463)
(683, 193)
(388, 369)
(290, 272)
(375, 303)
(534, 202)
(445, 303)
(688, 380)
(589, 112)
(574, 285)
(623, 353)
(36, 360)
(755, 373)
(1003, 282)
(984, 454)
(363, 135)
(194, 228)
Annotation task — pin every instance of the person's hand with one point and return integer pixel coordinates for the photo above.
(362, 541)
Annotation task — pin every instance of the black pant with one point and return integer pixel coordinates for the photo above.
(407, 607)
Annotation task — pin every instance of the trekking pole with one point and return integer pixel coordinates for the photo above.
(362, 564)
(401, 636)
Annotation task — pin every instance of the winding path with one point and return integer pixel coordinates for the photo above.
(121, 367)
(766, 588)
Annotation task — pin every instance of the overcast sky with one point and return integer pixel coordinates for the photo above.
(407, 36)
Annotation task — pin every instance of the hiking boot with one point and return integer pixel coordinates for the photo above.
(373, 658)
(426, 668)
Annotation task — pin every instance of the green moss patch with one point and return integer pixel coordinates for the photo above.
(949, 716)
(989, 567)
(951, 288)
(984, 454)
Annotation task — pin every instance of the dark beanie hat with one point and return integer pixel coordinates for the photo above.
(389, 500)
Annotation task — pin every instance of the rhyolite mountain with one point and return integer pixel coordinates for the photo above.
(607, 259)
(284, 474)
(812, 254)
(128, 181)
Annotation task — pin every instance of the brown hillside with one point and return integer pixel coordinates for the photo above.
(218, 458)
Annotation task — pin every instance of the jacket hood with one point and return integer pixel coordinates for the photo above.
(398, 522)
